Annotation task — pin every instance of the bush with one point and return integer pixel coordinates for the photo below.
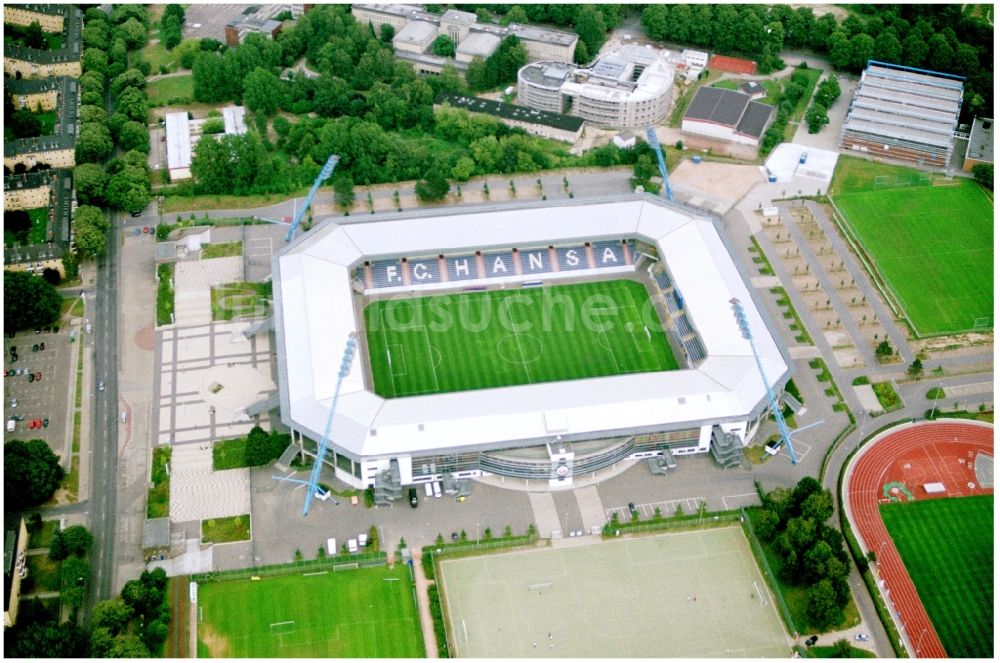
(983, 173)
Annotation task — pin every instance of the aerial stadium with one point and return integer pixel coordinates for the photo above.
(537, 340)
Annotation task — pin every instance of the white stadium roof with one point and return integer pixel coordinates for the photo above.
(315, 313)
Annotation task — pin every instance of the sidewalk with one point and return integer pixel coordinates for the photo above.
(424, 606)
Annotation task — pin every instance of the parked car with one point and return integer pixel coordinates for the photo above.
(31, 377)
(38, 376)
(13, 402)
(100, 385)
(811, 640)
(41, 346)
(11, 425)
(13, 349)
(413, 498)
(45, 422)
(454, 537)
(34, 348)
(632, 510)
(18, 417)
(862, 637)
(31, 425)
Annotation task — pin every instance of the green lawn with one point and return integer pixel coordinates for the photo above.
(773, 89)
(854, 175)
(363, 613)
(43, 537)
(37, 234)
(44, 573)
(240, 300)
(229, 454)
(947, 547)
(222, 250)
(165, 90)
(831, 652)
(496, 339)
(158, 504)
(165, 294)
(933, 246)
(14, 35)
(226, 530)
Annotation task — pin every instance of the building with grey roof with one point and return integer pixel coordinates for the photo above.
(24, 62)
(52, 189)
(540, 123)
(56, 149)
(904, 113)
(631, 87)
(472, 39)
(980, 149)
(726, 115)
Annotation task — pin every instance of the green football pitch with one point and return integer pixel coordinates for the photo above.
(934, 247)
(503, 338)
(363, 613)
(947, 547)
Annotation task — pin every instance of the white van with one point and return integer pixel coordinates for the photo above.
(331, 546)
(352, 546)
(11, 425)
(428, 489)
(363, 540)
(437, 489)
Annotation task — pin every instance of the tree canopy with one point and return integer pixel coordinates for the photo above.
(28, 302)
(31, 471)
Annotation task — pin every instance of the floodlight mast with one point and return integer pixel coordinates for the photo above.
(654, 142)
(327, 170)
(741, 320)
(345, 367)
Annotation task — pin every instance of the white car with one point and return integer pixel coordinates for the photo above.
(352, 546)
(863, 637)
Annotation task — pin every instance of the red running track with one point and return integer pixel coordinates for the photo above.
(912, 455)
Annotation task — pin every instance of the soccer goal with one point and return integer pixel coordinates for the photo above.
(982, 323)
(282, 628)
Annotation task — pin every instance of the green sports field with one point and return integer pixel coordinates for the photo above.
(934, 247)
(503, 338)
(363, 613)
(947, 547)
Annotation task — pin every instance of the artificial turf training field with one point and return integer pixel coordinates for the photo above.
(695, 594)
(947, 547)
(363, 613)
(502, 338)
(933, 246)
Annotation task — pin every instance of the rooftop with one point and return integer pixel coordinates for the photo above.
(70, 52)
(416, 32)
(456, 16)
(981, 140)
(482, 44)
(511, 111)
(754, 119)
(718, 105)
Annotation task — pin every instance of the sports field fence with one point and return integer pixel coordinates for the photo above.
(464, 548)
(765, 568)
(671, 523)
(901, 182)
(325, 565)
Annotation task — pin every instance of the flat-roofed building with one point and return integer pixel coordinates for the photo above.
(15, 545)
(539, 123)
(726, 115)
(461, 27)
(631, 87)
(233, 119)
(238, 29)
(980, 148)
(415, 37)
(904, 113)
(49, 17)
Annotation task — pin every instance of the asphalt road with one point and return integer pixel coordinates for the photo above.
(104, 429)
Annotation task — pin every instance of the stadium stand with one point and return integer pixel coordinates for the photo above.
(608, 253)
(462, 268)
(424, 270)
(535, 261)
(683, 325)
(387, 273)
(694, 349)
(571, 257)
(662, 280)
(499, 264)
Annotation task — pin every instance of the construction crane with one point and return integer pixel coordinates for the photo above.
(325, 173)
(312, 485)
(786, 435)
(654, 142)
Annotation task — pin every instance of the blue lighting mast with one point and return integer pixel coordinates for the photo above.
(741, 320)
(312, 486)
(654, 142)
(331, 163)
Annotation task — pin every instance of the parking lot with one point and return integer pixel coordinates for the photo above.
(39, 399)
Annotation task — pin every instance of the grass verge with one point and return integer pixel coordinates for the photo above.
(241, 300)
(158, 504)
(222, 250)
(172, 90)
(165, 295)
(226, 530)
(44, 574)
(801, 336)
(43, 537)
(887, 396)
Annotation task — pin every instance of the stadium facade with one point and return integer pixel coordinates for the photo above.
(551, 431)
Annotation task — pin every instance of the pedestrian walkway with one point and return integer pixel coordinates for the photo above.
(192, 307)
(194, 274)
(543, 507)
(200, 494)
(591, 508)
(424, 607)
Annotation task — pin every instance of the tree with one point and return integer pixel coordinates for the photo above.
(90, 226)
(806, 486)
(129, 189)
(591, 28)
(154, 634)
(916, 368)
(966, 59)
(914, 50)
(76, 539)
(92, 81)
(862, 50)
(134, 136)
(443, 46)
(816, 118)
(766, 525)
(343, 192)
(29, 302)
(939, 53)
(841, 51)
(93, 143)
(258, 449)
(822, 609)
(101, 641)
(132, 32)
(33, 37)
(128, 78)
(113, 614)
(43, 638)
(887, 47)
(128, 646)
(815, 560)
(433, 187)
(884, 349)
(463, 169)
(983, 173)
(386, 32)
(134, 104)
(90, 113)
(262, 91)
(74, 573)
(25, 124)
(842, 649)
